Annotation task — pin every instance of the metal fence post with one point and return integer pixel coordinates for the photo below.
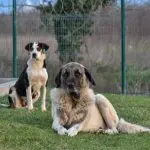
(123, 70)
(14, 67)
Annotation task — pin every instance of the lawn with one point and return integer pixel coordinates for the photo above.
(23, 130)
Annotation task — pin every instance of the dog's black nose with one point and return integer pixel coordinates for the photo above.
(34, 55)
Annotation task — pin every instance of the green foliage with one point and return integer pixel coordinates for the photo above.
(72, 21)
(78, 6)
(63, 7)
(69, 30)
(138, 81)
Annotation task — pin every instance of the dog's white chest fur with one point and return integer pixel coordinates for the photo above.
(37, 76)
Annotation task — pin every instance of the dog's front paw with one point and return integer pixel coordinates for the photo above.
(72, 132)
(43, 109)
(111, 131)
(62, 131)
(30, 108)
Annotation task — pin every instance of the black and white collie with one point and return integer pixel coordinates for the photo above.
(27, 88)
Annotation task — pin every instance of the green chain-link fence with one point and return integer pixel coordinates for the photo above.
(93, 40)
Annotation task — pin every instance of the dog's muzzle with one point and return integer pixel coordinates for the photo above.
(75, 95)
(73, 91)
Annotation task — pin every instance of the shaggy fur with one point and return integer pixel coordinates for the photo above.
(72, 110)
(76, 108)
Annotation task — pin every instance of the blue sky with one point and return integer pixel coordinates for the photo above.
(37, 2)
(5, 3)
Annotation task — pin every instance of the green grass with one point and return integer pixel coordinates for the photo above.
(23, 130)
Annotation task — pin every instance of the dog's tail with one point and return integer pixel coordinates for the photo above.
(126, 127)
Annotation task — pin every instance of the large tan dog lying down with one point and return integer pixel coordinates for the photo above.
(76, 108)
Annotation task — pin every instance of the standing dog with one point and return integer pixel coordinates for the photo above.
(76, 108)
(34, 76)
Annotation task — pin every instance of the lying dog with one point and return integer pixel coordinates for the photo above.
(26, 90)
(76, 108)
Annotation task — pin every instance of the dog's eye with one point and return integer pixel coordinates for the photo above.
(31, 49)
(66, 73)
(77, 73)
(38, 49)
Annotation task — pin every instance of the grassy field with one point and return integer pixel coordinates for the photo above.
(23, 130)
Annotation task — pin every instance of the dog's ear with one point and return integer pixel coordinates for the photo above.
(43, 46)
(89, 77)
(58, 79)
(28, 46)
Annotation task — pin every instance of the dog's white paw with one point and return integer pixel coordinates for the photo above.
(43, 109)
(111, 131)
(62, 131)
(72, 132)
(30, 108)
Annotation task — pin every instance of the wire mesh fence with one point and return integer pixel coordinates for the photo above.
(137, 48)
(93, 40)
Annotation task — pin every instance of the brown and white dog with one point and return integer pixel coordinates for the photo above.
(76, 108)
(27, 88)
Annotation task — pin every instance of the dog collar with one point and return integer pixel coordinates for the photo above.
(43, 50)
